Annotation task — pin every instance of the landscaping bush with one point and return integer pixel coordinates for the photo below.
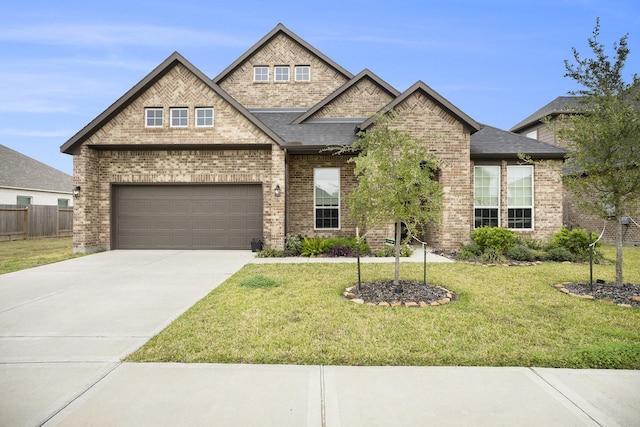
(492, 256)
(521, 252)
(575, 241)
(340, 251)
(496, 238)
(389, 251)
(314, 246)
(560, 254)
(270, 253)
(293, 244)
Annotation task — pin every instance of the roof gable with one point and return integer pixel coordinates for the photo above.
(560, 105)
(435, 97)
(279, 29)
(74, 143)
(352, 84)
(20, 171)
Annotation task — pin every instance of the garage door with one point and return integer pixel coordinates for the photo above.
(186, 216)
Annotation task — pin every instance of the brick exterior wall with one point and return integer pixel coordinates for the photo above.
(282, 51)
(363, 99)
(95, 170)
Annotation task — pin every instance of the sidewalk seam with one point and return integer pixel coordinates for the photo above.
(77, 396)
(323, 413)
(565, 396)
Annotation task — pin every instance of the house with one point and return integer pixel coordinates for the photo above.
(185, 161)
(542, 125)
(25, 181)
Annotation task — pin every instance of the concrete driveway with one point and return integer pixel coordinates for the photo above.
(65, 326)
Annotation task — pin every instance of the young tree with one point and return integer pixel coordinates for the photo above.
(395, 182)
(604, 136)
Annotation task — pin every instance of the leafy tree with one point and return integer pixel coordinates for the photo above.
(604, 136)
(395, 182)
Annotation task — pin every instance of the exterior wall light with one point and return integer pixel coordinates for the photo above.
(276, 191)
(76, 192)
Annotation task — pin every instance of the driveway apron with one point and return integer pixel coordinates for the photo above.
(65, 326)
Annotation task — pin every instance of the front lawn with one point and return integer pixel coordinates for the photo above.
(503, 316)
(20, 254)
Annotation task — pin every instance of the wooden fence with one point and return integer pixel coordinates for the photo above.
(35, 221)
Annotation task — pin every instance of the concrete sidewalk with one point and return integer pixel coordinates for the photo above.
(332, 396)
(65, 327)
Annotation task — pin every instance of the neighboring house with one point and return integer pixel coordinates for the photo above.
(26, 181)
(542, 125)
(185, 161)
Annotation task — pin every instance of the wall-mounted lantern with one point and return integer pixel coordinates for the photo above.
(276, 191)
(76, 192)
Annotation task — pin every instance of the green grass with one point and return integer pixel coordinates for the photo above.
(20, 254)
(504, 316)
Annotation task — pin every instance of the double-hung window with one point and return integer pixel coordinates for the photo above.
(204, 117)
(520, 197)
(281, 74)
(486, 196)
(303, 73)
(153, 117)
(179, 117)
(261, 73)
(326, 195)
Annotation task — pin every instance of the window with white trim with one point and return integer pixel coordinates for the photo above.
(63, 203)
(153, 117)
(302, 73)
(23, 200)
(281, 74)
(520, 197)
(204, 117)
(326, 196)
(179, 117)
(533, 134)
(486, 196)
(260, 73)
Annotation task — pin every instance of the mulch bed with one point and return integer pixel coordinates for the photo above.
(406, 292)
(605, 291)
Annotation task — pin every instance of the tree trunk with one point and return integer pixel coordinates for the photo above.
(396, 276)
(618, 252)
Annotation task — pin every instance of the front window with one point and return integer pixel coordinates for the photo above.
(486, 197)
(520, 196)
(153, 117)
(179, 117)
(326, 195)
(303, 73)
(281, 74)
(261, 74)
(204, 117)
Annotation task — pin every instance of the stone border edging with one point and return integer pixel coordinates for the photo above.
(348, 294)
(561, 288)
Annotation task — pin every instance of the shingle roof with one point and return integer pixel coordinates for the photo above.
(310, 136)
(20, 171)
(491, 142)
(560, 105)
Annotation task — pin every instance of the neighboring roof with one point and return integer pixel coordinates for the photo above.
(364, 74)
(307, 137)
(435, 96)
(75, 141)
(560, 105)
(491, 142)
(23, 172)
(277, 30)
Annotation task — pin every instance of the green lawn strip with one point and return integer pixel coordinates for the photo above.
(21, 254)
(503, 316)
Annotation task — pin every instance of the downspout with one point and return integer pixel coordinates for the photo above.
(286, 193)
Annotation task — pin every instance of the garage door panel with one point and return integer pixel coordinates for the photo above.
(187, 216)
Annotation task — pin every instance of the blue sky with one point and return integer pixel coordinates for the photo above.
(63, 63)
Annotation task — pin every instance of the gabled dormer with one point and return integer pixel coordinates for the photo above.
(282, 71)
(360, 97)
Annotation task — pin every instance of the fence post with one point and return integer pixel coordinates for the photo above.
(26, 222)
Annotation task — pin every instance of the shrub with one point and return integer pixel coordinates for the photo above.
(340, 251)
(270, 253)
(389, 251)
(496, 238)
(314, 246)
(492, 256)
(258, 282)
(465, 255)
(521, 252)
(576, 241)
(560, 254)
(536, 245)
(293, 244)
